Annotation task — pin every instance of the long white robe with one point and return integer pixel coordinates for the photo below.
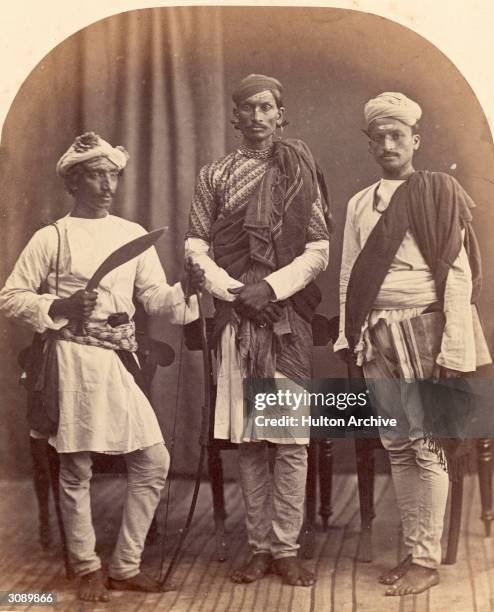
(101, 407)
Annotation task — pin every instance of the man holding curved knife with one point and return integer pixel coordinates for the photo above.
(102, 407)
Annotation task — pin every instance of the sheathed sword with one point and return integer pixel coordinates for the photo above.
(119, 257)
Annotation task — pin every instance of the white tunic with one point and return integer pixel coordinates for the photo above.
(101, 407)
(409, 283)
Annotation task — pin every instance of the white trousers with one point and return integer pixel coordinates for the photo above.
(146, 475)
(420, 483)
(274, 504)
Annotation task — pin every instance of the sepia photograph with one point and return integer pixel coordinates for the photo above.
(246, 290)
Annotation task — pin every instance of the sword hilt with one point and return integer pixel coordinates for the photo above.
(80, 329)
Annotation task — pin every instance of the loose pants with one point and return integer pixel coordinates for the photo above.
(146, 475)
(274, 503)
(420, 483)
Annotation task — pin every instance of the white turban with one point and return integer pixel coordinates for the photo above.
(393, 105)
(88, 146)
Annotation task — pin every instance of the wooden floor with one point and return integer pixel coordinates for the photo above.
(343, 583)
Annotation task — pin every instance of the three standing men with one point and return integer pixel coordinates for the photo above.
(102, 406)
(262, 212)
(404, 254)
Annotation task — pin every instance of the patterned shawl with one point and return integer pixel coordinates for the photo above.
(269, 232)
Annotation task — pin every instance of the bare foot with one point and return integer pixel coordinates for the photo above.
(258, 566)
(293, 572)
(140, 582)
(417, 580)
(92, 587)
(395, 573)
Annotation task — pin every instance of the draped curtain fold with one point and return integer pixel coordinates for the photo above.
(155, 81)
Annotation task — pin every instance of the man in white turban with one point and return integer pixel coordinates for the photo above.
(409, 256)
(391, 104)
(101, 404)
(91, 146)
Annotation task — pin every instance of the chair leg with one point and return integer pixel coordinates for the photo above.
(308, 535)
(41, 480)
(215, 468)
(153, 534)
(54, 463)
(325, 480)
(484, 459)
(365, 473)
(311, 485)
(455, 517)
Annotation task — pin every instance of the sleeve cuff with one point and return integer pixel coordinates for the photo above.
(182, 313)
(277, 284)
(45, 321)
(178, 295)
(340, 344)
(452, 365)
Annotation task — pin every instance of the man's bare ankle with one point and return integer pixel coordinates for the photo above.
(92, 587)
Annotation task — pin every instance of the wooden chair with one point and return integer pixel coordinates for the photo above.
(45, 479)
(320, 456)
(364, 451)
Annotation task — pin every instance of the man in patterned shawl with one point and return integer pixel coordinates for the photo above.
(262, 210)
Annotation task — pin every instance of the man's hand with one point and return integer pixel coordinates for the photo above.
(443, 372)
(193, 278)
(78, 306)
(271, 314)
(252, 300)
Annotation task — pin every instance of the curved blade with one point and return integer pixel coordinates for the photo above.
(124, 254)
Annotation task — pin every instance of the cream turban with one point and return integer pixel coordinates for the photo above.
(393, 105)
(253, 84)
(88, 146)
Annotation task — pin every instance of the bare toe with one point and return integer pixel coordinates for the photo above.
(141, 582)
(292, 572)
(307, 578)
(417, 580)
(256, 568)
(395, 573)
(92, 587)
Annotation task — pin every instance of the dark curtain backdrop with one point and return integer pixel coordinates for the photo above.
(158, 81)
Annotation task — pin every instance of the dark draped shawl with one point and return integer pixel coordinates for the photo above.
(436, 209)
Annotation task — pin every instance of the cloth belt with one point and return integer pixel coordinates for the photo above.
(121, 337)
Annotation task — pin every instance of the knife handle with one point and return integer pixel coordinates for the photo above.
(80, 330)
